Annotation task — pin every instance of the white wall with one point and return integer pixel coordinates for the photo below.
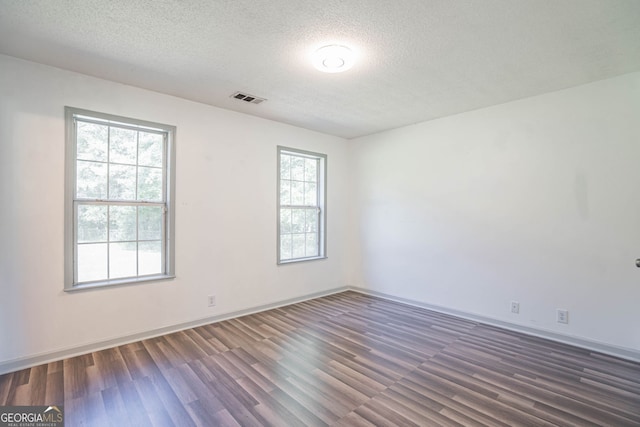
(225, 214)
(536, 201)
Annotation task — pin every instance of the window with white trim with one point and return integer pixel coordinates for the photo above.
(119, 225)
(301, 205)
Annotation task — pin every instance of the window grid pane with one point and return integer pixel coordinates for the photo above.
(92, 262)
(149, 257)
(92, 180)
(92, 224)
(115, 240)
(92, 142)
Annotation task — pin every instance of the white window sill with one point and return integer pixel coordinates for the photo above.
(297, 260)
(118, 282)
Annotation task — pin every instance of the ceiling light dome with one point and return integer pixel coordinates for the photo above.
(333, 58)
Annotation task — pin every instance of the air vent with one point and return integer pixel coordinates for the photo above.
(247, 98)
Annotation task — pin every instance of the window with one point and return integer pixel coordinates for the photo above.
(119, 223)
(301, 205)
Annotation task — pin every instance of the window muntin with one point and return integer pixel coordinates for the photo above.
(119, 200)
(301, 205)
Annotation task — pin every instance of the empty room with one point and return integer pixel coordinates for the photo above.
(304, 213)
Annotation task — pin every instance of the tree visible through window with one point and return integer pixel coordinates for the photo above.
(119, 213)
(301, 205)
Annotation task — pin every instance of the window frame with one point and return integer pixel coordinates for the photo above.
(72, 115)
(321, 204)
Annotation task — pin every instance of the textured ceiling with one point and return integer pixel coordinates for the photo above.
(418, 59)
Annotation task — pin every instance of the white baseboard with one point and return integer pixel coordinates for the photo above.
(621, 352)
(59, 354)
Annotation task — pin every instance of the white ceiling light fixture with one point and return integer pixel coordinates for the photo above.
(333, 58)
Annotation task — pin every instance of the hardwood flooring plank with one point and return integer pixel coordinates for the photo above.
(22, 396)
(22, 377)
(273, 411)
(153, 405)
(212, 338)
(318, 406)
(179, 386)
(54, 393)
(499, 411)
(364, 369)
(380, 415)
(247, 371)
(178, 349)
(322, 396)
(482, 396)
(160, 358)
(138, 362)
(75, 378)
(6, 384)
(333, 346)
(418, 414)
(88, 410)
(508, 389)
(353, 420)
(571, 386)
(353, 379)
(192, 385)
(201, 416)
(423, 409)
(382, 366)
(277, 321)
(114, 406)
(606, 388)
(427, 407)
(346, 340)
(444, 395)
(134, 405)
(306, 413)
(243, 415)
(38, 385)
(224, 418)
(200, 339)
(561, 417)
(7, 388)
(223, 382)
(184, 346)
(234, 336)
(170, 401)
(248, 328)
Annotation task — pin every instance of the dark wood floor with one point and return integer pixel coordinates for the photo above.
(346, 359)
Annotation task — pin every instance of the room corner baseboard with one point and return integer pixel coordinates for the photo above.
(39, 359)
(621, 352)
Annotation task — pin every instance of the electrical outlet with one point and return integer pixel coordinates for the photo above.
(515, 307)
(562, 316)
(211, 300)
